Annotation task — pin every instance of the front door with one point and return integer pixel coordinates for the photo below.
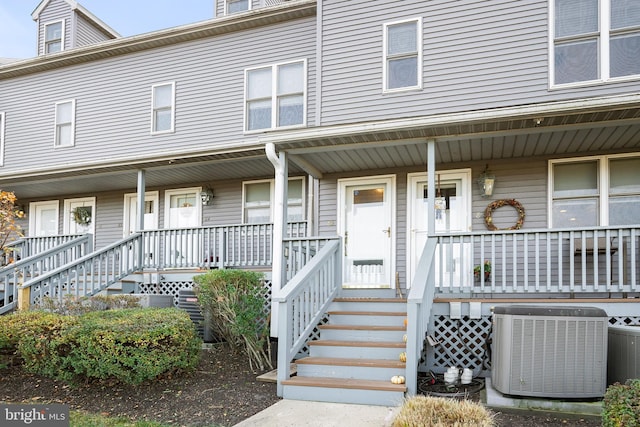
(79, 216)
(452, 213)
(43, 218)
(366, 222)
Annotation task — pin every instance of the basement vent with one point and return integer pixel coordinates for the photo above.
(549, 351)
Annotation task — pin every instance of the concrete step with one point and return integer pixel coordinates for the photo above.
(365, 369)
(365, 392)
(369, 304)
(368, 293)
(362, 332)
(389, 350)
(379, 318)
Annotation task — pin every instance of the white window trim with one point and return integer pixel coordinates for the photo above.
(2, 119)
(44, 36)
(272, 195)
(603, 183)
(167, 203)
(603, 40)
(32, 217)
(173, 108)
(226, 7)
(91, 201)
(274, 97)
(419, 48)
(73, 124)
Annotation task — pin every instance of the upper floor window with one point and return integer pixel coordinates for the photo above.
(65, 123)
(403, 55)
(233, 6)
(53, 37)
(257, 197)
(595, 40)
(163, 107)
(275, 96)
(2, 115)
(593, 191)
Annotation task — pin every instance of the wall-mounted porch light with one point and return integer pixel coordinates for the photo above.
(206, 196)
(486, 182)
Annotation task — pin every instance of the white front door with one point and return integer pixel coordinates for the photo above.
(182, 210)
(452, 213)
(131, 212)
(366, 222)
(43, 218)
(79, 215)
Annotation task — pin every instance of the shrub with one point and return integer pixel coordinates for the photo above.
(421, 411)
(621, 406)
(233, 302)
(128, 345)
(72, 305)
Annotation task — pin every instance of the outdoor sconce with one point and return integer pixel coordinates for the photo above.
(486, 181)
(206, 196)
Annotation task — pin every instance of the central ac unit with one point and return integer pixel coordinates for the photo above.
(549, 352)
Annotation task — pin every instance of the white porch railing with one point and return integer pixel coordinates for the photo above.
(29, 246)
(596, 260)
(303, 302)
(419, 303)
(299, 251)
(13, 275)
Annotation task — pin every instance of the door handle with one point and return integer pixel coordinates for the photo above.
(346, 239)
(388, 231)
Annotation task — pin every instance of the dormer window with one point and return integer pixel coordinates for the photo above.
(53, 36)
(234, 6)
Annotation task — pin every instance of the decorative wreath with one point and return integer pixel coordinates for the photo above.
(488, 212)
(82, 215)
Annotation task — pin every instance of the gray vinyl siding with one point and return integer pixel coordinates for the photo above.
(113, 98)
(86, 33)
(477, 54)
(56, 10)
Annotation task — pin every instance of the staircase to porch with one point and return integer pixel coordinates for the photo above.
(357, 354)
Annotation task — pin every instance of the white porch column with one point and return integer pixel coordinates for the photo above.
(431, 185)
(140, 216)
(279, 227)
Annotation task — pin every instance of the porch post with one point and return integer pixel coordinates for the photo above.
(140, 216)
(431, 185)
(279, 227)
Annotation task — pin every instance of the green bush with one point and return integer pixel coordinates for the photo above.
(72, 305)
(233, 302)
(421, 411)
(622, 405)
(127, 345)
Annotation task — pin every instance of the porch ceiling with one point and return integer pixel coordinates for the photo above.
(362, 147)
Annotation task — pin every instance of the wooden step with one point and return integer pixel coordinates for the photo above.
(338, 361)
(363, 299)
(345, 383)
(368, 313)
(336, 343)
(363, 327)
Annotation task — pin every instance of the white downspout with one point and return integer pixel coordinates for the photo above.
(279, 227)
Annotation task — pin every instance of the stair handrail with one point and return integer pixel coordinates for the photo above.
(419, 304)
(14, 274)
(303, 301)
(122, 257)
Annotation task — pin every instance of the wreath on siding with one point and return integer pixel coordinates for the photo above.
(82, 215)
(488, 212)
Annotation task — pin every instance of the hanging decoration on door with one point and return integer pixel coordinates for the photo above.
(488, 214)
(440, 203)
(82, 215)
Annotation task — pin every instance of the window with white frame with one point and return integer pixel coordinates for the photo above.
(53, 37)
(593, 191)
(275, 96)
(163, 107)
(257, 197)
(2, 138)
(65, 123)
(234, 6)
(595, 40)
(403, 55)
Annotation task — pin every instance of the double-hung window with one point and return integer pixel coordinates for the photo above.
(275, 96)
(53, 37)
(65, 123)
(403, 55)
(257, 197)
(163, 107)
(234, 6)
(595, 40)
(593, 191)
(2, 116)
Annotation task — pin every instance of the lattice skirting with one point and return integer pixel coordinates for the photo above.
(466, 343)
